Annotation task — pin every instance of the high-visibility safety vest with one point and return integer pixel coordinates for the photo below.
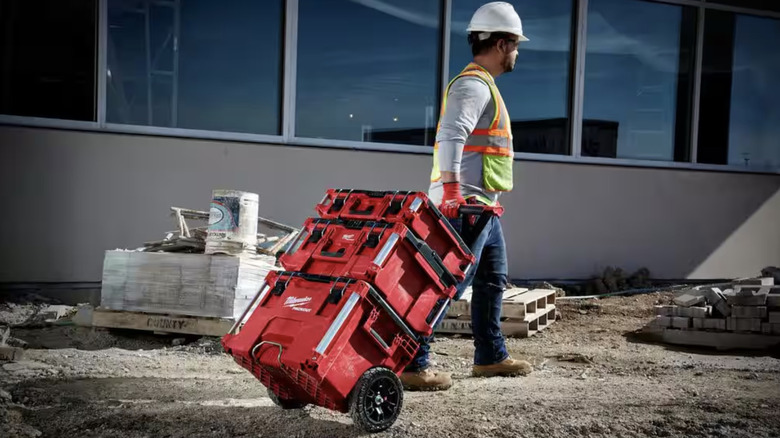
(493, 141)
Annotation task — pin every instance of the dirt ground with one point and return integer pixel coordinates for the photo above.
(593, 377)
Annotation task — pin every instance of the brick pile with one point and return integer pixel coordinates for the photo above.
(748, 307)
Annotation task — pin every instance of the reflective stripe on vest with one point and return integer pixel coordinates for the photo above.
(493, 141)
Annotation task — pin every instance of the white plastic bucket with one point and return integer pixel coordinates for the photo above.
(232, 222)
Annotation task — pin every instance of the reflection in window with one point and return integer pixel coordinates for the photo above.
(740, 118)
(47, 54)
(638, 80)
(536, 92)
(368, 70)
(195, 64)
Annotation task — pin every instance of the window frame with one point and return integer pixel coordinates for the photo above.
(289, 18)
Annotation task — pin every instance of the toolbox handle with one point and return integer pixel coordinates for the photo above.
(448, 226)
(372, 193)
(477, 209)
(308, 277)
(254, 350)
(433, 260)
(368, 211)
(335, 254)
(389, 310)
(378, 339)
(438, 311)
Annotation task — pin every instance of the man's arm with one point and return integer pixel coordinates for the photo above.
(466, 101)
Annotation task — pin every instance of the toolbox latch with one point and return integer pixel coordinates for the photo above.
(335, 294)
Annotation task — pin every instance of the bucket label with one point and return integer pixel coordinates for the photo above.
(223, 214)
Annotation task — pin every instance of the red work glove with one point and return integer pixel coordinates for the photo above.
(452, 200)
(498, 210)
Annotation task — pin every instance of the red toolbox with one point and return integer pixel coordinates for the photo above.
(332, 342)
(408, 273)
(412, 209)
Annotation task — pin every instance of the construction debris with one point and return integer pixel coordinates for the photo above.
(771, 271)
(179, 277)
(742, 314)
(615, 280)
(192, 239)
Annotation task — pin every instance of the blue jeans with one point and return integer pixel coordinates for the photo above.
(488, 281)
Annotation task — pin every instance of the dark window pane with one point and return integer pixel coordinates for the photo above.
(740, 118)
(196, 64)
(637, 80)
(47, 54)
(536, 92)
(766, 5)
(368, 70)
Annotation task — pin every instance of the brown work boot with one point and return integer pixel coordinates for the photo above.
(426, 380)
(507, 368)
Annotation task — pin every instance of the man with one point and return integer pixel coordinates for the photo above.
(472, 163)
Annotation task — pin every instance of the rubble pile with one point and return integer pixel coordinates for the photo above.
(187, 238)
(709, 315)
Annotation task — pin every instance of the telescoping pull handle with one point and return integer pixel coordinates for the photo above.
(478, 210)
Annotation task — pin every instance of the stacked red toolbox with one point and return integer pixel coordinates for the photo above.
(410, 276)
(412, 209)
(362, 284)
(310, 338)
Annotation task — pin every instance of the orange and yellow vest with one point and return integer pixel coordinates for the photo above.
(493, 141)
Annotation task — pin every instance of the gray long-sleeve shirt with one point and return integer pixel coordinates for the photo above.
(467, 99)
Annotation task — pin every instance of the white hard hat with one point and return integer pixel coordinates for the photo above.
(497, 17)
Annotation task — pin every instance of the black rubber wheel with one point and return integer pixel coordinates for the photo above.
(285, 403)
(376, 400)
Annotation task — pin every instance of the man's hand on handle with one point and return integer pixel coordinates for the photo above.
(452, 200)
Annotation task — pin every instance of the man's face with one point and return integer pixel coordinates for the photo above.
(509, 50)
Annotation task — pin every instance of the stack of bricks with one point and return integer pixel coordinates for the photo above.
(745, 306)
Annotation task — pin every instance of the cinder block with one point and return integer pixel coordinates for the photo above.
(698, 323)
(763, 281)
(689, 298)
(749, 312)
(694, 312)
(743, 324)
(718, 302)
(715, 324)
(769, 328)
(749, 296)
(720, 340)
(774, 317)
(665, 310)
(661, 322)
(773, 300)
(681, 322)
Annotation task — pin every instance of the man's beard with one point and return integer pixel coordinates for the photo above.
(509, 64)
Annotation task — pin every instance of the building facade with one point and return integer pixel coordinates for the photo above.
(647, 133)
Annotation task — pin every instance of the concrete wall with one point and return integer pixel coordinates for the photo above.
(67, 196)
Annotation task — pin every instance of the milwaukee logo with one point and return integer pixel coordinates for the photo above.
(297, 303)
(348, 237)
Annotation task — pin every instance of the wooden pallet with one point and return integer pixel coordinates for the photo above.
(523, 313)
(161, 323)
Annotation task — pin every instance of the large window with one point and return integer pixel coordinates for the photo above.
(368, 70)
(638, 81)
(47, 55)
(198, 64)
(537, 91)
(740, 114)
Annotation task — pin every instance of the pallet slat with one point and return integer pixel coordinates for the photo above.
(161, 323)
(519, 328)
(514, 305)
